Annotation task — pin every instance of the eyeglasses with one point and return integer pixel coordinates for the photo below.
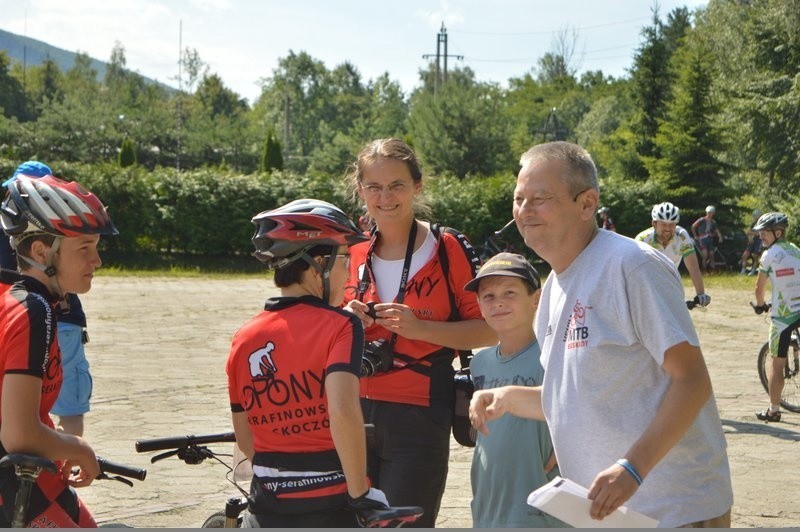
(398, 187)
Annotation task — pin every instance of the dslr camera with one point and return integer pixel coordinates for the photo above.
(378, 357)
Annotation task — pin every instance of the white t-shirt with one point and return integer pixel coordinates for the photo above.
(604, 325)
(781, 262)
(680, 246)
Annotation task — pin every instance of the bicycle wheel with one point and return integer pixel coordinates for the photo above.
(217, 520)
(790, 398)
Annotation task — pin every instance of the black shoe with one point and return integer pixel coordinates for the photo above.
(766, 415)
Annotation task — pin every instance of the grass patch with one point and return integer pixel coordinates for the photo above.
(727, 280)
(179, 265)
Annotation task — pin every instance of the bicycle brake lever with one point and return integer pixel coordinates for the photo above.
(161, 456)
(194, 455)
(103, 476)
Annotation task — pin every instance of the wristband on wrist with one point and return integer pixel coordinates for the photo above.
(630, 469)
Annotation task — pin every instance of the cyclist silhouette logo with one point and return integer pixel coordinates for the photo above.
(578, 318)
(261, 364)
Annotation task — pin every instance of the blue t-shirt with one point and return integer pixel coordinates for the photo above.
(509, 463)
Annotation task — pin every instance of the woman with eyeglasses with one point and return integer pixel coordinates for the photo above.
(408, 289)
(293, 377)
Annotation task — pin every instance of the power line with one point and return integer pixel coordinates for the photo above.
(534, 59)
(549, 32)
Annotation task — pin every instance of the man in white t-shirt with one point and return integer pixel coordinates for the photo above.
(780, 265)
(674, 241)
(626, 392)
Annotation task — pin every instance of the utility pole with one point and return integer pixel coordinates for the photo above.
(180, 95)
(441, 57)
(286, 124)
(552, 129)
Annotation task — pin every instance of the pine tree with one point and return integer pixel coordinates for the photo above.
(127, 153)
(272, 159)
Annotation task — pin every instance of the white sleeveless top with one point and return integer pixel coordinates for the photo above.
(387, 272)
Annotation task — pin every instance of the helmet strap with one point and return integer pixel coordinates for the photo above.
(325, 272)
(47, 268)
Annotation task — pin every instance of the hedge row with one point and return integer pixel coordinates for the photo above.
(208, 211)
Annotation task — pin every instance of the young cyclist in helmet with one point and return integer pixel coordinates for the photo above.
(780, 264)
(55, 227)
(674, 241)
(293, 376)
(76, 389)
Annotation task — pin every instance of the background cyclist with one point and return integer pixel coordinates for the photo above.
(674, 241)
(55, 227)
(753, 249)
(294, 389)
(705, 232)
(605, 219)
(780, 264)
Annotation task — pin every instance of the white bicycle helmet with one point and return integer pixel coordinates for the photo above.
(52, 206)
(666, 212)
(771, 221)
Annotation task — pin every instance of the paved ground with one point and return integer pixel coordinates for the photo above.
(158, 349)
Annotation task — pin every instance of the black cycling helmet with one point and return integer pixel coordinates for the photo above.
(771, 221)
(284, 234)
(52, 206)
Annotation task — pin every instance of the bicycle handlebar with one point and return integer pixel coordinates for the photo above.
(180, 442)
(121, 470)
(502, 229)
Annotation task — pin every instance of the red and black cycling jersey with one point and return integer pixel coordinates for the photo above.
(276, 372)
(427, 379)
(277, 365)
(29, 346)
(28, 343)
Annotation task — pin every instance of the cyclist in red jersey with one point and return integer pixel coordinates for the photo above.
(293, 377)
(423, 314)
(55, 227)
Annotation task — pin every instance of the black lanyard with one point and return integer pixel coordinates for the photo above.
(365, 275)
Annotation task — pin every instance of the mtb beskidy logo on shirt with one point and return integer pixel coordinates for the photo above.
(577, 332)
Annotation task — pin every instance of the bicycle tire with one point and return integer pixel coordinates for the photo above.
(790, 397)
(216, 520)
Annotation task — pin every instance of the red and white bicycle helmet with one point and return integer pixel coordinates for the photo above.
(52, 206)
(283, 235)
(665, 212)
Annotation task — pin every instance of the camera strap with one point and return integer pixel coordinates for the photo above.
(401, 291)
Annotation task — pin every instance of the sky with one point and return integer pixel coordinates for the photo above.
(243, 40)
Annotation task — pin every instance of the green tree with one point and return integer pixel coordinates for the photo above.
(296, 96)
(272, 158)
(688, 140)
(461, 130)
(127, 154)
(12, 95)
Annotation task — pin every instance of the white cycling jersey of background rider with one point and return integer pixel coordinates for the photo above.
(681, 245)
(781, 263)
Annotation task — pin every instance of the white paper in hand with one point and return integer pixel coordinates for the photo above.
(566, 500)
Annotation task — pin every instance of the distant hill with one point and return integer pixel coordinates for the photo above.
(33, 52)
